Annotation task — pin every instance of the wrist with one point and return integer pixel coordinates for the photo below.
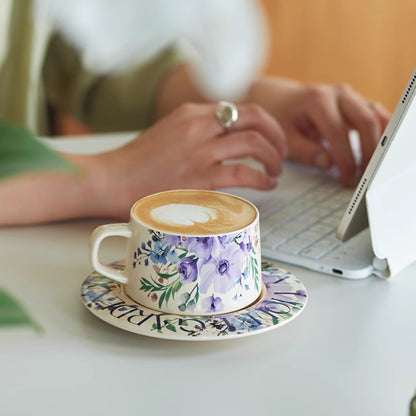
(89, 187)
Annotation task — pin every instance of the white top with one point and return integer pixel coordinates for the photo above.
(351, 352)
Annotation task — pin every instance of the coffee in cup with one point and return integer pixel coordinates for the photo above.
(194, 212)
(190, 252)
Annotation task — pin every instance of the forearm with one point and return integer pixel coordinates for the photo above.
(51, 196)
(176, 88)
(273, 94)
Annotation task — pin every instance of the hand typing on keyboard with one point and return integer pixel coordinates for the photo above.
(317, 121)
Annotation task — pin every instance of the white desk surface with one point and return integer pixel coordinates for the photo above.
(351, 352)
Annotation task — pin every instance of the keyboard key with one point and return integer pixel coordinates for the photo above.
(331, 220)
(333, 204)
(321, 228)
(289, 248)
(306, 203)
(339, 213)
(329, 242)
(343, 197)
(306, 225)
(293, 227)
(285, 231)
(307, 219)
(320, 211)
(276, 219)
(270, 206)
(314, 252)
(295, 241)
(272, 240)
(291, 210)
(309, 236)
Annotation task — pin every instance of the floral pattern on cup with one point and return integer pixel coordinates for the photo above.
(199, 268)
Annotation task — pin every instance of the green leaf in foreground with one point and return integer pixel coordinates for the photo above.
(21, 152)
(13, 314)
(413, 406)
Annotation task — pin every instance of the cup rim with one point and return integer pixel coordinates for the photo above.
(238, 230)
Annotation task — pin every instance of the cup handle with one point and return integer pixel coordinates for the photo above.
(98, 235)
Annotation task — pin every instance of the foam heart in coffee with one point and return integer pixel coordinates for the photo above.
(194, 212)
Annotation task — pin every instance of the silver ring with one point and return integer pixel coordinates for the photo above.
(226, 113)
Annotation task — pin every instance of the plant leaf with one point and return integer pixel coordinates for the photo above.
(161, 299)
(21, 152)
(413, 406)
(13, 314)
(167, 275)
(171, 327)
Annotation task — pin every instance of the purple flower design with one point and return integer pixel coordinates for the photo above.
(245, 243)
(212, 304)
(188, 270)
(202, 246)
(173, 240)
(282, 290)
(223, 269)
(225, 239)
(269, 279)
(274, 307)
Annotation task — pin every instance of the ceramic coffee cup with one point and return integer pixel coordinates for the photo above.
(190, 252)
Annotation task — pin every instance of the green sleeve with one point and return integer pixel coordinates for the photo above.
(113, 102)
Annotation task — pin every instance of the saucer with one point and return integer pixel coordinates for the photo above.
(283, 298)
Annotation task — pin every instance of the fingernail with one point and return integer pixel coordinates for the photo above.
(322, 161)
(272, 182)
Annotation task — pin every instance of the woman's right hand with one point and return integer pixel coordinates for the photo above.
(189, 148)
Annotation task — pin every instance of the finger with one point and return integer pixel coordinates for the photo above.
(246, 143)
(254, 117)
(327, 118)
(309, 152)
(382, 114)
(305, 127)
(362, 118)
(238, 175)
(199, 121)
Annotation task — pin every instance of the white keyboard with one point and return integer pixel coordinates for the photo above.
(305, 225)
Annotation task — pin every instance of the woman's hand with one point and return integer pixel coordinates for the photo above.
(317, 121)
(189, 148)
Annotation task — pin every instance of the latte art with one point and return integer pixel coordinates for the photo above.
(183, 214)
(194, 212)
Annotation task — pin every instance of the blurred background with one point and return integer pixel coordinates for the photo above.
(366, 43)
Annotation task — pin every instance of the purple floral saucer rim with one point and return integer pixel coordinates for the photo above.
(283, 298)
